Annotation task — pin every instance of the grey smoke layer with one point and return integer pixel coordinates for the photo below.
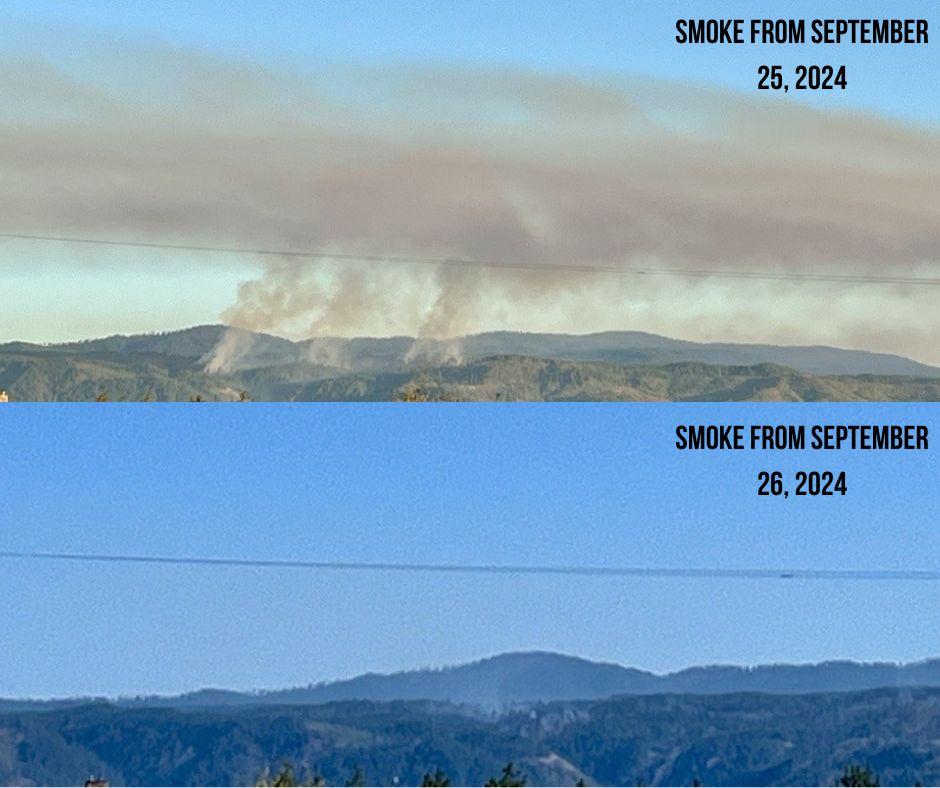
(501, 165)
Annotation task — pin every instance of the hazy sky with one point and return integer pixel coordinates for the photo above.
(598, 37)
(561, 484)
(556, 132)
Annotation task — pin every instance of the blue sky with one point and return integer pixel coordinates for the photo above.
(589, 484)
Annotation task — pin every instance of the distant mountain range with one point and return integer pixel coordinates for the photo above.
(219, 363)
(534, 677)
(531, 677)
(238, 349)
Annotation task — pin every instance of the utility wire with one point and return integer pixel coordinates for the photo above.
(502, 264)
(490, 569)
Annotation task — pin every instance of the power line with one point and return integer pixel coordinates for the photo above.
(490, 569)
(502, 264)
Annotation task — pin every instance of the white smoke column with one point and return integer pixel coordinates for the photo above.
(233, 345)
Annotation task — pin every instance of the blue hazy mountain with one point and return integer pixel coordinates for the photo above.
(529, 677)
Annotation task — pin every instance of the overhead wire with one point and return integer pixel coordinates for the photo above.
(505, 265)
(637, 572)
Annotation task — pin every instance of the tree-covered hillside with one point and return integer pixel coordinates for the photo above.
(217, 363)
(64, 377)
(734, 739)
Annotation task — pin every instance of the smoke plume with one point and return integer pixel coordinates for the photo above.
(508, 166)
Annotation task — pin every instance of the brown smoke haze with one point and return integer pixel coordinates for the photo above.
(515, 167)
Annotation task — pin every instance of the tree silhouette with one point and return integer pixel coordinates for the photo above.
(283, 779)
(510, 778)
(436, 780)
(861, 776)
(357, 778)
(413, 393)
(286, 778)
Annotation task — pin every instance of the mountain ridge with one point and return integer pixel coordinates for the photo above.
(215, 363)
(371, 353)
(509, 679)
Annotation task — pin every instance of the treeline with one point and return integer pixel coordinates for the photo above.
(285, 777)
(853, 776)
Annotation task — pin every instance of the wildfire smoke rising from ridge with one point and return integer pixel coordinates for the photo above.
(500, 165)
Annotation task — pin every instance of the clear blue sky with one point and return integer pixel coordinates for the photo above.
(599, 485)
